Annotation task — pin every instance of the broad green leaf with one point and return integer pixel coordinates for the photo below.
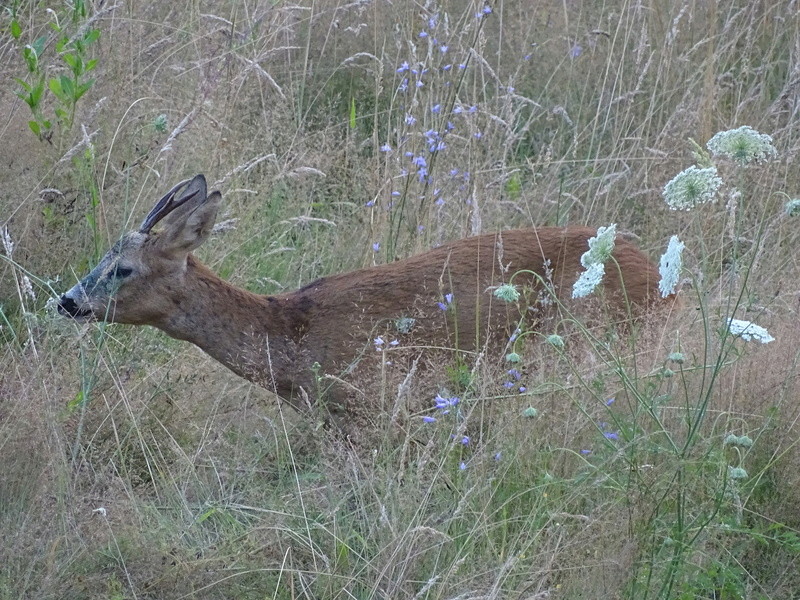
(68, 86)
(55, 87)
(91, 36)
(38, 45)
(35, 127)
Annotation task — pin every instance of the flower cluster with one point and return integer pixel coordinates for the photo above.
(447, 304)
(692, 187)
(670, 266)
(418, 158)
(442, 406)
(792, 207)
(749, 331)
(507, 292)
(513, 382)
(742, 145)
(737, 440)
(593, 260)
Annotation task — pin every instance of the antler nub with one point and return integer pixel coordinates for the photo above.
(163, 207)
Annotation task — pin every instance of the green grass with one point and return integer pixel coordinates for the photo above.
(209, 488)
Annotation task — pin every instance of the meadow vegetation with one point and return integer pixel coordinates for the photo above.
(659, 461)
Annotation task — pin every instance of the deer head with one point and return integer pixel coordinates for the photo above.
(137, 277)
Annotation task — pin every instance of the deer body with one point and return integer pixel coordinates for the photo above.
(440, 298)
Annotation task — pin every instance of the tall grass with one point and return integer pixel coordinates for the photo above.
(659, 462)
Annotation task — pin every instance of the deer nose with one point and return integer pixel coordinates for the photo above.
(67, 306)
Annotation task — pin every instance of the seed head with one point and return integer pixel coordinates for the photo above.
(692, 187)
(742, 145)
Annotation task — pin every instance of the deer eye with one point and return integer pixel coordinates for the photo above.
(122, 272)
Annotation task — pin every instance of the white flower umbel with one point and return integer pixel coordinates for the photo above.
(670, 266)
(749, 331)
(692, 187)
(593, 260)
(507, 292)
(742, 145)
(792, 208)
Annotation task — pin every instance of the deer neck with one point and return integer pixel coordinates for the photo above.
(246, 332)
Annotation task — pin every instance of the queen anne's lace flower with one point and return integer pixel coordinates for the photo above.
(792, 207)
(670, 266)
(692, 187)
(742, 145)
(507, 292)
(600, 248)
(749, 331)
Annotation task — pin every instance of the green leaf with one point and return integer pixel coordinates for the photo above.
(55, 87)
(83, 88)
(352, 113)
(38, 45)
(31, 58)
(35, 127)
(76, 401)
(70, 59)
(16, 30)
(91, 36)
(25, 86)
(37, 92)
(90, 65)
(69, 87)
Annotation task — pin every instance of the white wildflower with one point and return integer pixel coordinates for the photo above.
(507, 292)
(588, 280)
(600, 248)
(670, 266)
(742, 145)
(555, 340)
(8, 243)
(792, 208)
(736, 473)
(749, 331)
(737, 440)
(692, 187)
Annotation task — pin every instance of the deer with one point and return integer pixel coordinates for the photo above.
(283, 342)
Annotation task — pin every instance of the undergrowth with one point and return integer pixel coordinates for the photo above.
(581, 462)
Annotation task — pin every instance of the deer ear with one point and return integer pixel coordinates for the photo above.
(190, 225)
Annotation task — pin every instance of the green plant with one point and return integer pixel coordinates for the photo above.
(73, 43)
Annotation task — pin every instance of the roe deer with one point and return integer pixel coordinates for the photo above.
(440, 298)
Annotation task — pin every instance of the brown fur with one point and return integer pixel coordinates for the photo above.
(278, 341)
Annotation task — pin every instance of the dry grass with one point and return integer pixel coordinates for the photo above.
(209, 489)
